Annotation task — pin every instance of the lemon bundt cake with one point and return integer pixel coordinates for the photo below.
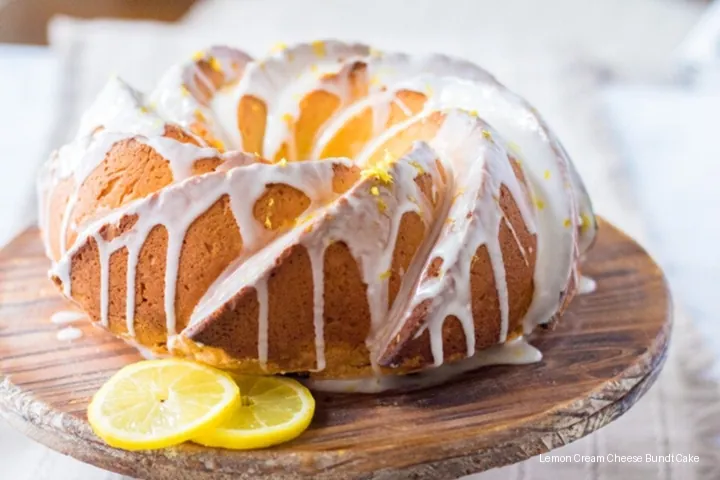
(329, 210)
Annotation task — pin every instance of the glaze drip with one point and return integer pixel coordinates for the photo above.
(64, 317)
(316, 145)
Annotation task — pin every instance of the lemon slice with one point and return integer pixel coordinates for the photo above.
(160, 403)
(272, 410)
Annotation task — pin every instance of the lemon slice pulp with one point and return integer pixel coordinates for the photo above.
(160, 403)
(272, 410)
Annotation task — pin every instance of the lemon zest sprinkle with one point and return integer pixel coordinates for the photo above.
(546, 174)
(218, 144)
(215, 64)
(386, 274)
(278, 47)
(567, 223)
(305, 218)
(418, 167)
(382, 206)
(319, 48)
(584, 222)
(374, 191)
(283, 162)
(379, 171)
(198, 55)
(487, 134)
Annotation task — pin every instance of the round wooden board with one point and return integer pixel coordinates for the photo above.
(604, 354)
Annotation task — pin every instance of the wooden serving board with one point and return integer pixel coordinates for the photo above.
(603, 356)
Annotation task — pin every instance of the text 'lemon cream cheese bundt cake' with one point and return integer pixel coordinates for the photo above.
(329, 210)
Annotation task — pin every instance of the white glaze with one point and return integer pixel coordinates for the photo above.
(68, 334)
(514, 352)
(281, 81)
(355, 220)
(177, 94)
(587, 285)
(65, 317)
(180, 204)
(474, 155)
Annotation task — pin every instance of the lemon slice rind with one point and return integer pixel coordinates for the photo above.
(215, 412)
(263, 436)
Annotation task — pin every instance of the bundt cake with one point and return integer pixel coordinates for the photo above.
(330, 210)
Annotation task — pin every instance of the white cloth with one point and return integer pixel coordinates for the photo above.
(671, 136)
(27, 97)
(555, 53)
(698, 57)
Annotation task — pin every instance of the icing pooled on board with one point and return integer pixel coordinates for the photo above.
(587, 285)
(68, 334)
(514, 352)
(64, 317)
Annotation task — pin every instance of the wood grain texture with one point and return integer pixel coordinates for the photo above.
(604, 354)
(26, 21)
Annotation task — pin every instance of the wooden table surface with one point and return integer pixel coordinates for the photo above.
(603, 356)
(25, 21)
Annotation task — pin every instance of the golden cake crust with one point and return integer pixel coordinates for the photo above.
(329, 211)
